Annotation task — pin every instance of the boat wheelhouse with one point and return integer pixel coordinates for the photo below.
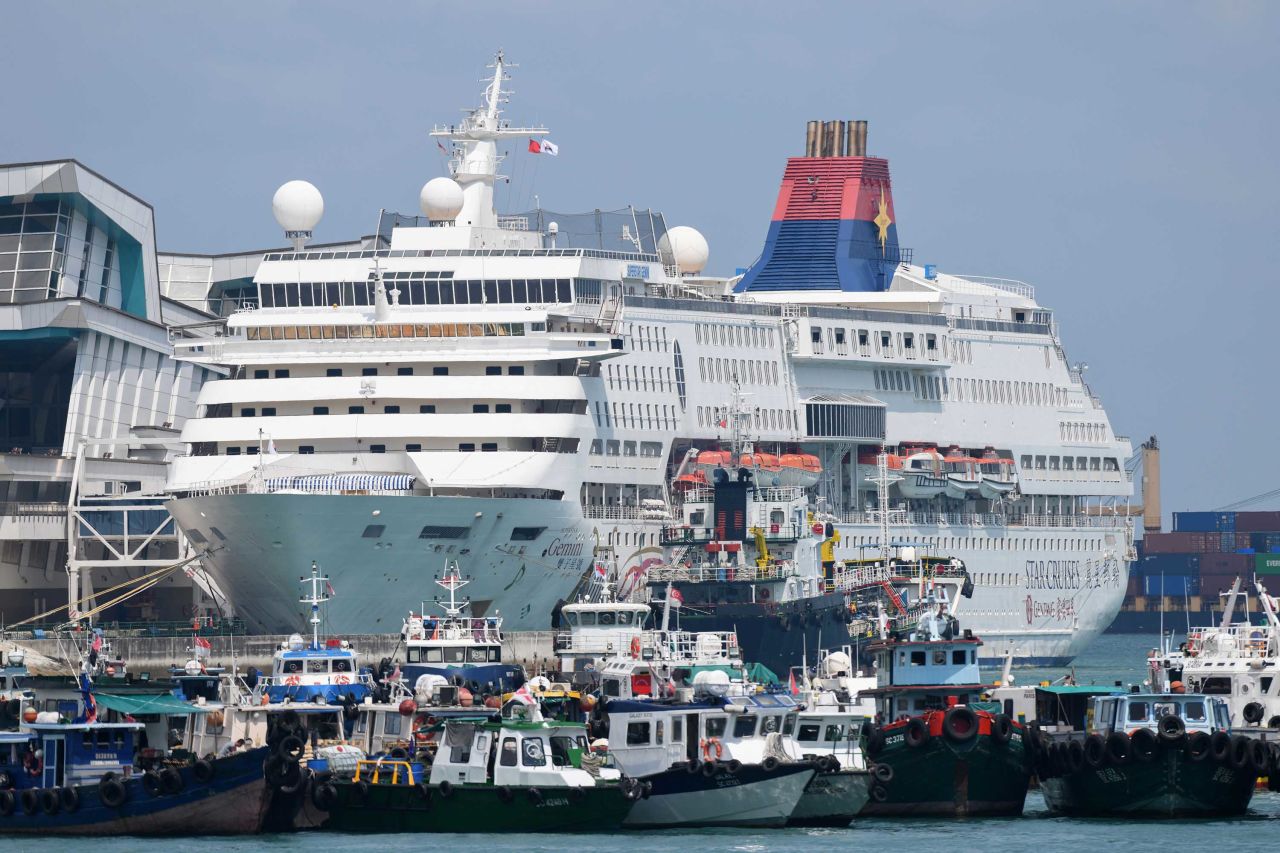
(313, 671)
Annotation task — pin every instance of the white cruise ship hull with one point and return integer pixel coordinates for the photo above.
(262, 543)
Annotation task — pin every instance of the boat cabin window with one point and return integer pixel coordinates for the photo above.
(587, 619)
(611, 687)
(209, 727)
(459, 752)
(413, 655)
(744, 726)
(1139, 712)
(1218, 685)
(391, 724)
(677, 732)
(341, 665)
(293, 666)
(917, 658)
(715, 726)
(940, 657)
(607, 618)
(570, 619)
(637, 734)
(770, 725)
(320, 665)
(1193, 712)
(834, 732)
(959, 656)
(789, 723)
(533, 752)
(808, 732)
(1222, 714)
(1165, 709)
(508, 752)
(562, 744)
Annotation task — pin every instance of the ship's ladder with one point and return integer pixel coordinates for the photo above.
(894, 597)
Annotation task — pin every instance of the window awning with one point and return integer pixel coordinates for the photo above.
(153, 703)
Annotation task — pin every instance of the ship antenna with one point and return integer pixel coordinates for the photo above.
(317, 597)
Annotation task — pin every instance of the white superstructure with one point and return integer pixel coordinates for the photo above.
(514, 392)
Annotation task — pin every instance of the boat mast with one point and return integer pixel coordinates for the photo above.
(319, 595)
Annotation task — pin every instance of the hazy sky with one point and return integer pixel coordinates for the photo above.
(1120, 157)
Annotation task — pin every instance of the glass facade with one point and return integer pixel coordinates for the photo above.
(50, 249)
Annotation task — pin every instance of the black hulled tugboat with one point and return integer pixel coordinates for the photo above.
(938, 749)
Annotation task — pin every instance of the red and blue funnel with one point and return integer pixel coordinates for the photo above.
(833, 227)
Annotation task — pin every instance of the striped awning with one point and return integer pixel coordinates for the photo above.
(341, 483)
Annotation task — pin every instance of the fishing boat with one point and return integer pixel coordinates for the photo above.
(1153, 755)
(514, 772)
(461, 649)
(940, 750)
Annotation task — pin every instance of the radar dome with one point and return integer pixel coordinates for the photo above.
(297, 206)
(685, 247)
(441, 199)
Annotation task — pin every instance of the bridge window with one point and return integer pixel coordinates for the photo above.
(744, 726)
(637, 734)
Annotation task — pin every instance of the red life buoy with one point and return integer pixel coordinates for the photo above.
(710, 744)
(635, 647)
(342, 679)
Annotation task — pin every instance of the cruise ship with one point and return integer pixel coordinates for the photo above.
(514, 393)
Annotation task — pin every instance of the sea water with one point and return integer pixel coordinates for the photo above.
(1113, 657)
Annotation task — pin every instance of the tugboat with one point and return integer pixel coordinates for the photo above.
(940, 751)
(1154, 755)
(463, 650)
(328, 673)
(514, 772)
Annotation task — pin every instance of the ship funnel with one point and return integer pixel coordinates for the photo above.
(858, 138)
(811, 139)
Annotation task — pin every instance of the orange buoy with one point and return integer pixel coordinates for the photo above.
(29, 715)
(407, 707)
(465, 699)
(587, 702)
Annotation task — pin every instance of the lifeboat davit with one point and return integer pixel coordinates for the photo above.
(964, 477)
(799, 469)
(710, 460)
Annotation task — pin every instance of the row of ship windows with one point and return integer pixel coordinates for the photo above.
(423, 409)
(418, 289)
(309, 449)
(738, 370)
(635, 415)
(614, 447)
(639, 377)
(1070, 463)
(906, 341)
(947, 544)
(649, 338)
(775, 419)
(391, 330)
(719, 334)
(1070, 431)
(489, 370)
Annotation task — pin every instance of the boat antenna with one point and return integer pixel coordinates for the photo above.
(321, 592)
(1162, 637)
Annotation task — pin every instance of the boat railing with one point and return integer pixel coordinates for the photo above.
(683, 534)
(702, 573)
(902, 517)
(478, 628)
(848, 578)
(1238, 642)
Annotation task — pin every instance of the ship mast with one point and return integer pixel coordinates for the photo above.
(319, 595)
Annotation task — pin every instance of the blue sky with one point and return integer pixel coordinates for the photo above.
(1120, 157)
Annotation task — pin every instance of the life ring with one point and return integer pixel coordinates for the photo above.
(342, 679)
(708, 744)
(635, 647)
(763, 594)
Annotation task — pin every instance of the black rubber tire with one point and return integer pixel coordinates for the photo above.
(1220, 747)
(1258, 756)
(1145, 745)
(50, 802)
(1034, 738)
(399, 753)
(6, 780)
(1239, 752)
(291, 779)
(1171, 729)
(1119, 750)
(30, 800)
(70, 799)
(151, 784)
(1199, 746)
(171, 781)
(445, 788)
(112, 792)
(692, 766)
(7, 802)
(960, 724)
(883, 773)
(769, 764)
(875, 742)
(505, 794)
(648, 790)
(879, 793)
(1043, 766)
(917, 733)
(1274, 722)
(323, 797)
(361, 790)
(710, 768)
(203, 771)
(577, 795)
(733, 765)
(1253, 712)
(291, 749)
(1001, 729)
(1095, 751)
(1074, 756)
(535, 796)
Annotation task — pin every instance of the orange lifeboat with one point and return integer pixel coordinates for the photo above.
(800, 469)
(709, 460)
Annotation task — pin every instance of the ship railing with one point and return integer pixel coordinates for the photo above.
(771, 494)
(703, 573)
(1008, 285)
(620, 512)
(985, 519)
(1235, 642)
(481, 629)
(689, 535)
(19, 509)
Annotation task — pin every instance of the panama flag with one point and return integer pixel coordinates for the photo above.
(545, 146)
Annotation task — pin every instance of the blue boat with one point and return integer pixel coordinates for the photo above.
(307, 672)
(463, 650)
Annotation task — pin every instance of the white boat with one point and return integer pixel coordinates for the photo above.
(509, 391)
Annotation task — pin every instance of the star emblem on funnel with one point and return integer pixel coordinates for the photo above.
(883, 221)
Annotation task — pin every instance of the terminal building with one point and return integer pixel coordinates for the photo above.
(91, 401)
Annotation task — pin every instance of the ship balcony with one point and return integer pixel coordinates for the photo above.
(21, 522)
(816, 351)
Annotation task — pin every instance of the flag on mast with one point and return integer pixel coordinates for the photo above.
(544, 146)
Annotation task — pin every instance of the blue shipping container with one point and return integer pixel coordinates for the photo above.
(1203, 522)
(1168, 564)
(1171, 585)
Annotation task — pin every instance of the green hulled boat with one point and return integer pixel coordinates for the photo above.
(1153, 755)
(944, 751)
(508, 773)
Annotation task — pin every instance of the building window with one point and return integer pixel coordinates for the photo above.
(413, 448)
(261, 374)
(355, 410)
(489, 447)
(320, 410)
(391, 410)
(233, 451)
(502, 408)
(282, 373)
(369, 371)
(333, 371)
(493, 370)
(467, 447)
(427, 409)
(479, 408)
(404, 371)
(439, 371)
(377, 448)
(268, 411)
(515, 370)
(306, 449)
(246, 413)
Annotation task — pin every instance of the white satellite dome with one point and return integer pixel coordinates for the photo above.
(297, 206)
(712, 681)
(441, 199)
(685, 247)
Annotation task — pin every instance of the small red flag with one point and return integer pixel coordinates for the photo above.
(534, 147)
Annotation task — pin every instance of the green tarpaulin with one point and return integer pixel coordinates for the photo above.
(153, 703)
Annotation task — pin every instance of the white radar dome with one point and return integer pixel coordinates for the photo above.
(685, 247)
(441, 199)
(297, 206)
